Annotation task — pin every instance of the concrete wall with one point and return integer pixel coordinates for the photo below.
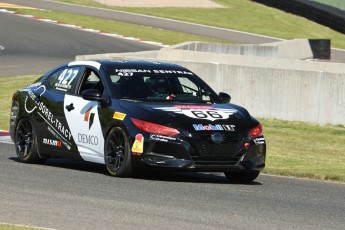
(294, 95)
(287, 89)
(282, 49)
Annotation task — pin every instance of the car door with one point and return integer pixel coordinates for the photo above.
(54, 135)
(83, 119)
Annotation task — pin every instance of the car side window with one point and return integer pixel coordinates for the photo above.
(64, 80)
(90, 80)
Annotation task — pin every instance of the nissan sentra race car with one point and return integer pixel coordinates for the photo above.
(134, 115)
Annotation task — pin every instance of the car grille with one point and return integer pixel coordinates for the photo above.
(206, 152)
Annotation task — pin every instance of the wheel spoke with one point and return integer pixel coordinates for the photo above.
(117, 162)
(25, 153)
(112, 145)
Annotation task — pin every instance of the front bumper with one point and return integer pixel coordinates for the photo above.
(199, 154)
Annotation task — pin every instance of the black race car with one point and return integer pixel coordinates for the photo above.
(131, 115)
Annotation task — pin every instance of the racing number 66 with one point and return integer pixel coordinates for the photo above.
(207, 114)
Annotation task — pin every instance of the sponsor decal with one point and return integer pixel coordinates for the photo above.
(138, 145)
(210, 127)
(200, 112)
(119, 116)
(89, 117)
(45, 114)
(67, 145)
(130, 72)
(161, 138)
(52, 142)
(87, 139)
(259, 141)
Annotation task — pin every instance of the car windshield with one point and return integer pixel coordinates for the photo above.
(162, 86)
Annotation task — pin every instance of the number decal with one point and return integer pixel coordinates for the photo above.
(199, 114)
(206, 114)
(215, 114)
(66, 78)
(201, 111)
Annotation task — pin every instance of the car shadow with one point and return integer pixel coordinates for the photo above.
(184, 177)
(190, 177)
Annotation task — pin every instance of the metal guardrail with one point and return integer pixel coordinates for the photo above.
(340, 4)
(313, 10)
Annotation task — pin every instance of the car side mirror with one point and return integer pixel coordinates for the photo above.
(224, 97)
(92, 95)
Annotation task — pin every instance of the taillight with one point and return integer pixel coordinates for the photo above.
(154, 128)
(256, 132)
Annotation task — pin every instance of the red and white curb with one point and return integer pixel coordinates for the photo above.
(5, 137)
(83, 29)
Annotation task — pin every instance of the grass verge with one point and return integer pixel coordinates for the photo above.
(8, 85)
(293, 148)
(243, 15)
(305, 150)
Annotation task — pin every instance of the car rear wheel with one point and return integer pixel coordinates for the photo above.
(26, 142)
(242, 177)
(117, 155)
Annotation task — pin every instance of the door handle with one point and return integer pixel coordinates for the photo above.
(69, 107)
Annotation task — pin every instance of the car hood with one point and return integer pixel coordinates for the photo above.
(192, 116)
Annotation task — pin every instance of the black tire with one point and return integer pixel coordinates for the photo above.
(242, 177)
(117, 153)
(26, 142)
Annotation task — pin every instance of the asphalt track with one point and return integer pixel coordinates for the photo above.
(67, 194)
(29, 46)
(186, 27)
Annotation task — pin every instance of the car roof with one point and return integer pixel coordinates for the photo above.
(128, 64)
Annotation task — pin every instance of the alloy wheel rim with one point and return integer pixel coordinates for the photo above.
(24, 139)
(115, 151)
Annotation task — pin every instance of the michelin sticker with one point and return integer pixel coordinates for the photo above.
(200, 112)
(161, 138)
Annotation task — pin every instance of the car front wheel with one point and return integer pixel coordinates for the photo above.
(242, 177)
(26, 142)
(117, 155)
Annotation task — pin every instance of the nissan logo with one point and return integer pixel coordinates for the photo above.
(217, 138)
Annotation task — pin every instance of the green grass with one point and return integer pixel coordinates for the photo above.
(126, 29)
(293, 148)
(8, 85)
(305, 150)
(243, 15)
